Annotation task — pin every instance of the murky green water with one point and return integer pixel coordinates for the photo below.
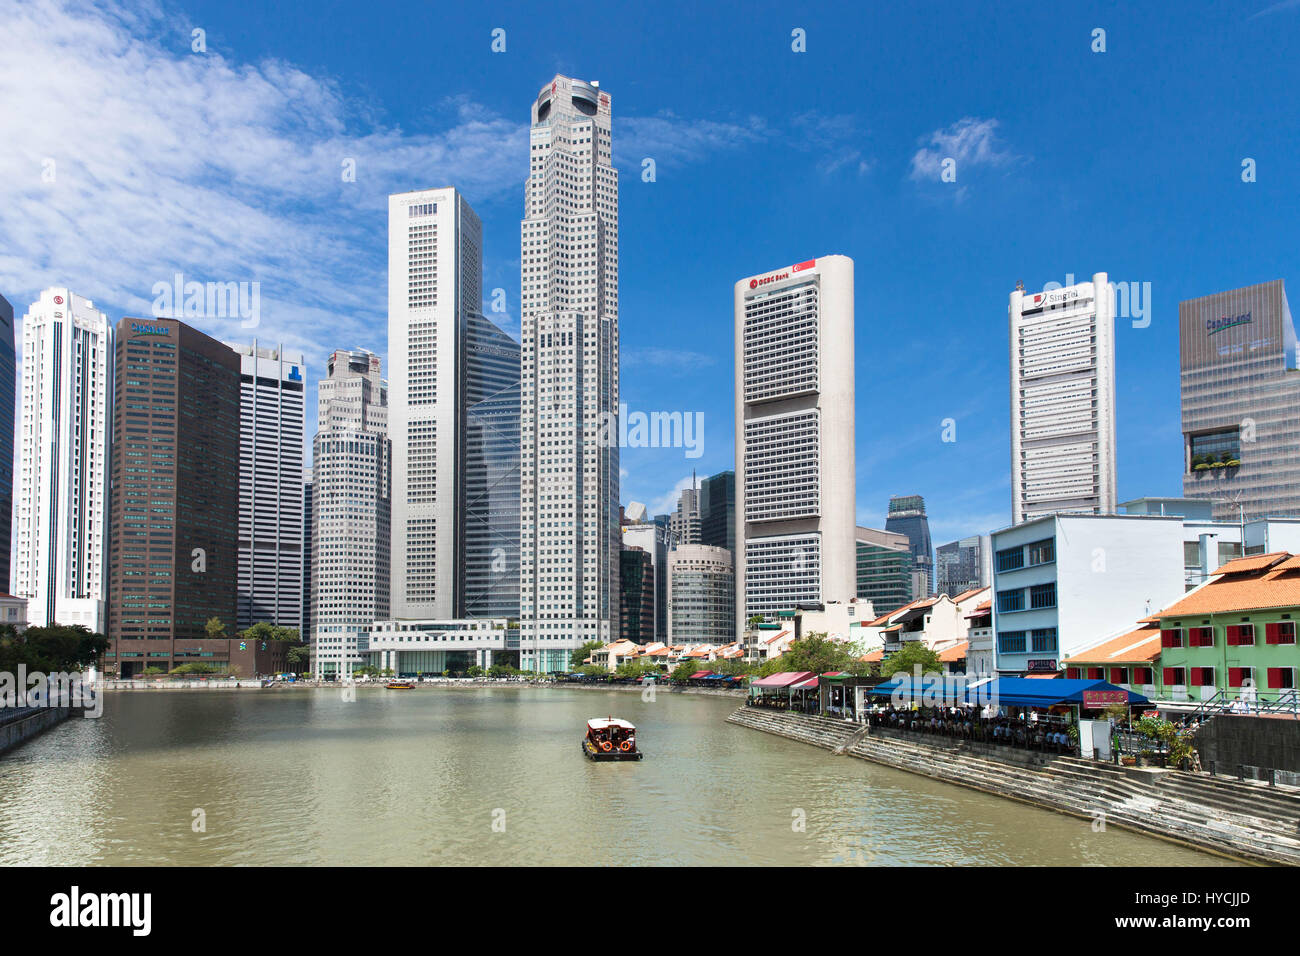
(492, 776)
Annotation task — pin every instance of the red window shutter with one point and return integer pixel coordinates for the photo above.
(1167, 638)
(1231, 634)
(1235, 676)
(1271, 633)
(1072, 673)
(1095, 673)
(1171, 675)
(1194, 676)
(1117, 675)
(1275, 677)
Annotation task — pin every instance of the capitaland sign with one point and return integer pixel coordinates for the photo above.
(142, 328)
(1213, 326)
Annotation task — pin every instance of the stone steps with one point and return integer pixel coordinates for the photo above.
(1085, 788)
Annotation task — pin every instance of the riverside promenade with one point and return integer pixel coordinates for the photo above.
(1248, 821)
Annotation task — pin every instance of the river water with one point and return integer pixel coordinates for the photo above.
(493, 776)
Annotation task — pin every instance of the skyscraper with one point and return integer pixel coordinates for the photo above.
(652, 537)
(795, 478)
(718, 511)
(884, 569)
(435, 281)
(271, 437)
(173, 560)
(637, 581)
(569, 471)
(61, 505)
(308, 514)
(490, 512)
(351, 527)
(1063, 400)
(1241, 402)
(684, 523)
(907, 517)
(963, 565)
(8, 401)
(701, 595)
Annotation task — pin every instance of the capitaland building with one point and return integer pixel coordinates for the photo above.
(795, 479)
(1241, 402)
(569, 465)
(173, 558)
(1063, 400)
(60, 509)
(907, 517)
(884, 568)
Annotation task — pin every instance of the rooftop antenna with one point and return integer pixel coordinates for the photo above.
(1020, 285)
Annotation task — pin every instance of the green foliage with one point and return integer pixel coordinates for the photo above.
(683, 672)
(907, 657)
(195, 667)
(299, 658)
(817, 653)
(732, 667)
(52, 649)
(638, 669)
(593, 670)
(215, 629)
(152, 671)
(1181, 743)
(263, 631)
(365, 670)
(580, 654)
(474, 671)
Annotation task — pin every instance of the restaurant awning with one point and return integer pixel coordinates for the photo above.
(698, 674)
(784, 679)
(1005, 691)
(810, 684)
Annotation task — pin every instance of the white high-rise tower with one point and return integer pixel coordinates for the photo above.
(1063, 399)
(61, 483)
(435, 282)
(569, 531)
(796, 495)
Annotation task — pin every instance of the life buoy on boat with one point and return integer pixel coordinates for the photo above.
(625, 746)
(604, 745)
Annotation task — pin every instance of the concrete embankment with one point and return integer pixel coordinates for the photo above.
(31, 723)
(1242, 820)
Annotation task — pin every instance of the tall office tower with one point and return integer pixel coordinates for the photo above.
(61, 506)
(304, 628)
(435, 281)
(637, 583)
(569, 533)
(1063, 400)
(684, 523)
(8, 403)
(907, 517)
(795, 478)
(1241, 402)
(884, 569)
(701, 595)
(491, 480)
(963, 565)
(653, 537)
(173, 557)
(271, 435)
(352, 524)
(718, 511)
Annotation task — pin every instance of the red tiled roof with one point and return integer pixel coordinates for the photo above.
(1140, 646)
(1238, 590)
(1256, 562)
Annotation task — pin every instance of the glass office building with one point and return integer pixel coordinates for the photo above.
(907, 517)
(8, 399)
(1241, 402)
(491, 512)
(884, 569)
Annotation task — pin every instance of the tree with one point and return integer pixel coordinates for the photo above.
(51, 649)
(299, 658)
(215, 629)
(905, 660)
(264, 631)
(365, 670)
(196, 667)
(818, 653)
(580, 654)
(593, 670)
(638, 669)
(683, 671)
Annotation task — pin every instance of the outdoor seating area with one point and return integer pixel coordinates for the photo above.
(1050, 734)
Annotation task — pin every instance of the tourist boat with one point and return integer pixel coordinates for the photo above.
(399, 685)
(609, 738)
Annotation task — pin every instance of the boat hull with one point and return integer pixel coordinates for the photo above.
(594, 754)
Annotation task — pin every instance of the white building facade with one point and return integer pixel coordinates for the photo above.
(795, 477)
(271, 435)
(351, 485)
(61, 482)
(1063, 399)
(569, 471)
(701, 595)
(435, 281)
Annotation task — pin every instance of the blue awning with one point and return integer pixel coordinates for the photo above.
(1004, 691)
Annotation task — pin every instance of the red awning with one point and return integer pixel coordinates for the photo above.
(698, 674)
(783, 679)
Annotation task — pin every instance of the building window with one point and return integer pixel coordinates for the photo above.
(1239, 635)
(1011, 558)
(1279, 632)
(1281, 678)
(1241, 676)
(1011, 642)
(1174, 677)
(1011, 601)
(1042, 552)
(1044, 640)
(1042, 595)
(1201, 676)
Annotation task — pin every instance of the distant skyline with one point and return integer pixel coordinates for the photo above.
(138, 158)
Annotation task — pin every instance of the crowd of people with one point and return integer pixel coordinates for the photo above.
(1048, 734)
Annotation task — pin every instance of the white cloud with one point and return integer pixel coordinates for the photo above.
(671, 140)
(673, 360)
(667, 503)
(973, 143)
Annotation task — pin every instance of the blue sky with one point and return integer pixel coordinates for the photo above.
(225, 164)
